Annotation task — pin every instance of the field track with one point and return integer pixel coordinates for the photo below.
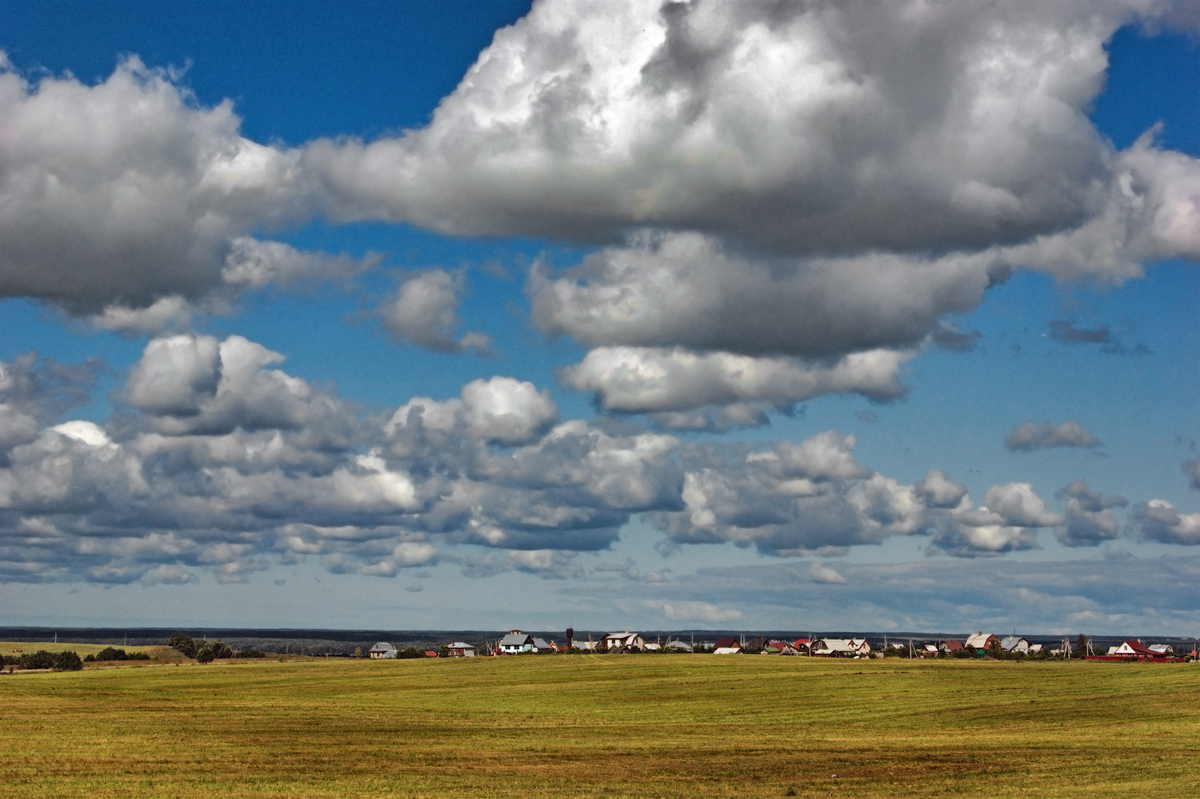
(644, 726)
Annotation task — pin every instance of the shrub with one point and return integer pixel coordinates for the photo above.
(67, 661)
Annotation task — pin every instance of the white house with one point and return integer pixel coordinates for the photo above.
(980, 640)
(624, 642)
(842, 648)
(382, 650)
(1012, 643)
(516, 643)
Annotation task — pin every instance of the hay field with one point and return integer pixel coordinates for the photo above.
(9, 648)
(644, 726)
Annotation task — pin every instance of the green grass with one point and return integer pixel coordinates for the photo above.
(645, 726)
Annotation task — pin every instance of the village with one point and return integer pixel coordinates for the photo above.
(977, 645)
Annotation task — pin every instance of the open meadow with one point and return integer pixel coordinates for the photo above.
(643, 726)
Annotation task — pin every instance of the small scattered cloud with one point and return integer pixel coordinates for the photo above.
(696, 611)
(424, 311)
(549, 564)
(947, 336)
(1157, 520)
(1192, 470)
(825, 574)
(1088, 520)
(1032, 436)
(1066, 332)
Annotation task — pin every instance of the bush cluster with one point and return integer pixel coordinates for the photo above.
(111, 653)
(410, 653)
(208, 651)
(249, 653)
(205, 651)
(60, 661)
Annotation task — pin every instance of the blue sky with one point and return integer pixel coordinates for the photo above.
(459, 315)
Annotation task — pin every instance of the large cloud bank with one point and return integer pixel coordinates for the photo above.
(803, 181)
(808, 181)
(785, 201)
(219, 460)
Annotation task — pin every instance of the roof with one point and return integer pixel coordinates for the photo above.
(1137, 648)
(979, 640)
(727, 643)
(382, 646)
(540, 643)
(460, 645)
(621, 636)
(515, 639)
(952, 646)
(1011, 642)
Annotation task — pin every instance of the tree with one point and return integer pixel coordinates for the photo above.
(209, 651)
(444, 652)
(1081, 645)
(67, 661)
(183, 644)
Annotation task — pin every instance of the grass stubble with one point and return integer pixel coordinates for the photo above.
(638, 726)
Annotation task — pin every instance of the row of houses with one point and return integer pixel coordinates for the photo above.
(517, 642)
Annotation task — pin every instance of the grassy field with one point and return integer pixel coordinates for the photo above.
(83, 650)
(645, 726)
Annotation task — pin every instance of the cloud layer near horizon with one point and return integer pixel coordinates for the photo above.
(220, 460)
